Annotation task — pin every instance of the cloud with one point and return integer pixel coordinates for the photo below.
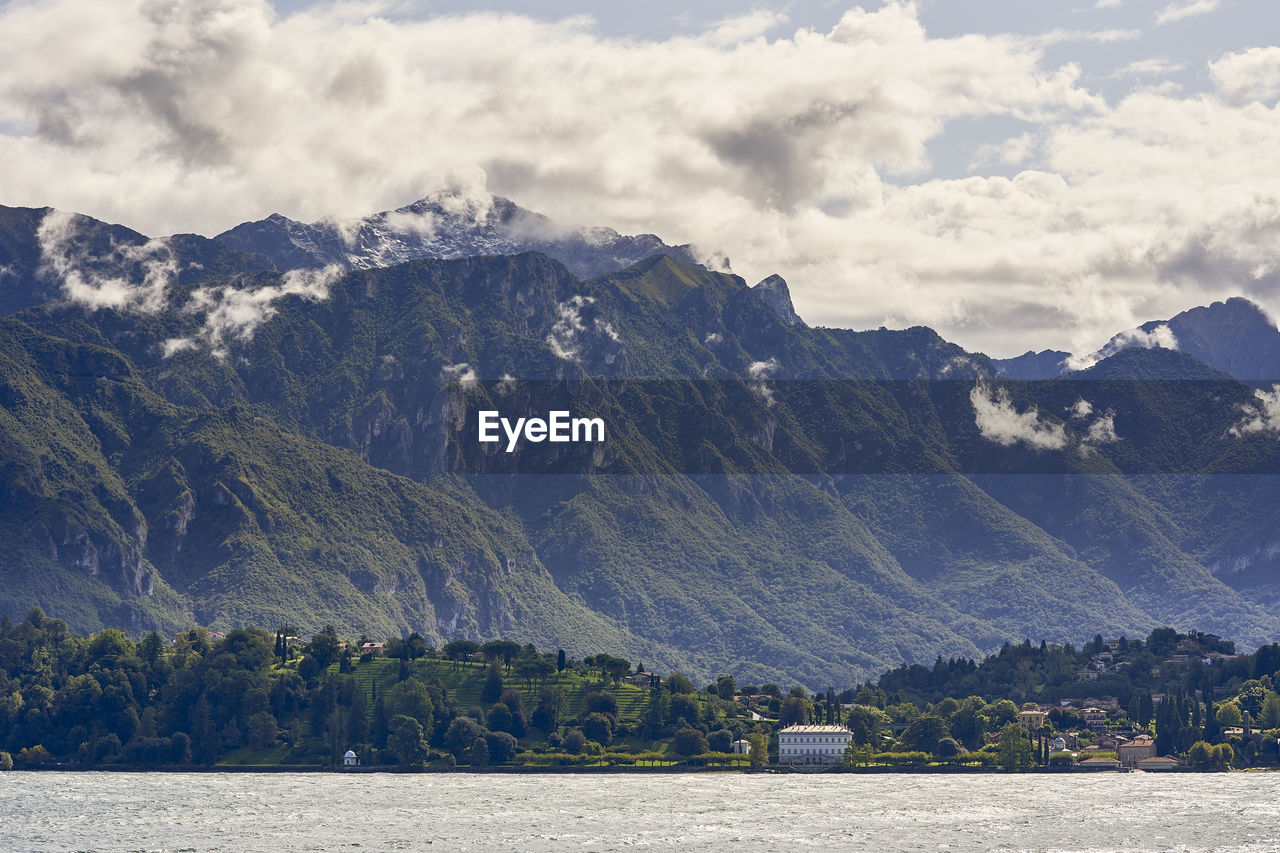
(1262, 417)
(805, 152)
(1081, 409)
(566, 334)
(1249, 75)
(1175, 12)
(233, 314)
(173, 346)
(462, 373)
(1160, 336)
(1062, 36)
(126, 276)
(998, 420)
(1103, 430)
(1012, 152)
(1153, 67)
(759, 372)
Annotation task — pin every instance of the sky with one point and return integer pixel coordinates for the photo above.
(1016, 175)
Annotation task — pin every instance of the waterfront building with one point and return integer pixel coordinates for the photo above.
(812, 744)
(1137, 750)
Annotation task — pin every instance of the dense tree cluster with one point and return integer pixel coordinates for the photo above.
(203, 698)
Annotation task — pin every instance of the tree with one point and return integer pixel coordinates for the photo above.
(515, 704)
(689, 741)
(1015, 748)
(575, 741)
(1146, 709)
(1223, 755)
(795, 712)
(759, 753)
(406, 741)
(478, 755)
(1200, 754)
(947, 749)
(561, 661)
(547, 715)
(1229, 715)
(924, 734)
(1269, 716)
(502, 747)
(865, 722)
(726, 688)
(262, 730)
(720, 740)
(599, 728)
(180, 748)
(6, 761)
(500, 718)
(412, 699)
(416, 646)
(492, 686)
(460, 650)
(683, 707)
(324, 646)
(461, 733)
(678, 683)
(602, 703)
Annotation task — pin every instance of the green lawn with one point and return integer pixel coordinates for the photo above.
(465, 681)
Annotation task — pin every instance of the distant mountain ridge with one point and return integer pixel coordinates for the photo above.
(444, 227)
(1235, 336)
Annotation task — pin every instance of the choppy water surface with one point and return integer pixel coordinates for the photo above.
(312, 812)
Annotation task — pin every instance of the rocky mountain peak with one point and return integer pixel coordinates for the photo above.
(773, 292)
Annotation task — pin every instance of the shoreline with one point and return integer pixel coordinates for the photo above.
(517, 770)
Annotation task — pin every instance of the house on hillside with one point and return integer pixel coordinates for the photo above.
(375, 650)
(1094, 718)
(1032, 720)
(641, 679)
(812, 744)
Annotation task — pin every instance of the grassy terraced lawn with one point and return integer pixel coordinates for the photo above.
(465, 681)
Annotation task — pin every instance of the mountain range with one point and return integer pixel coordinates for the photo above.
(269, 427)
(1235, 336)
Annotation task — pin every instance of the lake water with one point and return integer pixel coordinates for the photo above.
(322, 812)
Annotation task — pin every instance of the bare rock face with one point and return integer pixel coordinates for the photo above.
(773, 292)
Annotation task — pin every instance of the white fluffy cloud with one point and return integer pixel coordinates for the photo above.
(999, 420)
(1262, 417)
(803, 155)
(1250, 75)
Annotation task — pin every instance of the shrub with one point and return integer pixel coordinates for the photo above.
(598, 727)
(1061, 759)
(32, 755)
(575, 741)
(913, 758)
(688, 741)
(6, 761)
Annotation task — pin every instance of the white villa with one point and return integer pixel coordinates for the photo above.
(812, 744)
